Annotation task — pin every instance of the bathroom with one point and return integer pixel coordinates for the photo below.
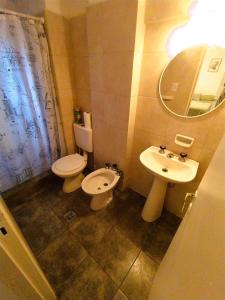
(106, 57)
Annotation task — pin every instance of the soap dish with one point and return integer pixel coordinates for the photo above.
(184, 141)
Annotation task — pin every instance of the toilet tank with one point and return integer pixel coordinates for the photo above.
(83, 137)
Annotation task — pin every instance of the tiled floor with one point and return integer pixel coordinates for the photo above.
(110, 254)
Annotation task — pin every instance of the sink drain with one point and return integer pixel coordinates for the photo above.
(99, 188)
(164, 169)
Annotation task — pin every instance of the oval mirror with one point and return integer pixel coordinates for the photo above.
(193, 83)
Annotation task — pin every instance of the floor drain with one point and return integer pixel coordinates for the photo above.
(106, 184)
(164, 169)
(70, 215)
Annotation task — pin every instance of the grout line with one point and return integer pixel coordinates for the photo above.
(101, 268)
(64, 282)
(153, 258)
(129, 271)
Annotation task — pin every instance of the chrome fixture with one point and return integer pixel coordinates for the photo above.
(162, 149)
(182, 156)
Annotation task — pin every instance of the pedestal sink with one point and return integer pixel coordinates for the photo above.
(167, 168)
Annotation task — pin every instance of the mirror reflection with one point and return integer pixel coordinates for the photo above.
(193, 83)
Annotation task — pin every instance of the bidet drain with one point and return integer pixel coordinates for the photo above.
(164, 169)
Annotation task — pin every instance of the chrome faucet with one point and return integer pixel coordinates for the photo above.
(162, 149)
(107, 165)
(182, 156)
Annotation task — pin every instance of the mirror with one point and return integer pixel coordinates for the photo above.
(193, 83)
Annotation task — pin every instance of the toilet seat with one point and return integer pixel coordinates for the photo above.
(68, 165)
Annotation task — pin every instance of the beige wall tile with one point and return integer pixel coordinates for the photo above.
(96, 72)
(69, 135)
(152, 66)
(83, 99)
(56, 32)
(65, 101)
(97, 104)
(166, 9)
(139, 178)
(62, 71)
(78, 35)
(118, 31)
(109, 143)
(57, 29)
(117, 73)
(116, 111)
(157, 34)
(94, 29)
(81, 72)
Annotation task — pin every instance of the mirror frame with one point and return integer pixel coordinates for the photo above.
(172, 112)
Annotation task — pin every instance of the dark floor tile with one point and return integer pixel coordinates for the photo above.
(126, 211)
(157, 242)
(28, 189)
(139, 279)
(120, 296)
(88, 282)
(169, 222)
(61, 257)
(91, 229)
(115, 254)
(62, 202)
(39, 224)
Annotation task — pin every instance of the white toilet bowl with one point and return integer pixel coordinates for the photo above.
(99, 184)
(70, 167)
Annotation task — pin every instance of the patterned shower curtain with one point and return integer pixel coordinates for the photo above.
(30, 130)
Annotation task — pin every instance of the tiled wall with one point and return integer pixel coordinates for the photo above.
(58, 32)
(80, 61)
(111, 28)
(154, 125)
(103, 53)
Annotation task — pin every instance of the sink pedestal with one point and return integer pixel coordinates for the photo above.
(154, 203)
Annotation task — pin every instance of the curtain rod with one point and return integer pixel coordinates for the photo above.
(10, 12)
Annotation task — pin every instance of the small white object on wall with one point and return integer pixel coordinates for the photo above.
(184, 141)
(87, 119)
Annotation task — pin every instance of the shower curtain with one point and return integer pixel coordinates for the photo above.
(30, 130)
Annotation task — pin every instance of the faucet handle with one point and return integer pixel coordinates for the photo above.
(114, 166)
(107, 165)
(162, 148)
(182, 157)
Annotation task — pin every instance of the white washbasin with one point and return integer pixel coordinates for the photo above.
(169, 169)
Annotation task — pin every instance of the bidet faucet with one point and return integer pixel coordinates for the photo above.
(107, 165)
(162, 149)
(182, 156)
(114, 167)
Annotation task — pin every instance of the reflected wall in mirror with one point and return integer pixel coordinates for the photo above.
(193, 83)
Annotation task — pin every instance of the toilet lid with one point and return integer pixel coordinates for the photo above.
(69, 163)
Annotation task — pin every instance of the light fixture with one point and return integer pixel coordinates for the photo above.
(206, 26)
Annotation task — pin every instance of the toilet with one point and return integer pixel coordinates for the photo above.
(99, 185)
(70, 167)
